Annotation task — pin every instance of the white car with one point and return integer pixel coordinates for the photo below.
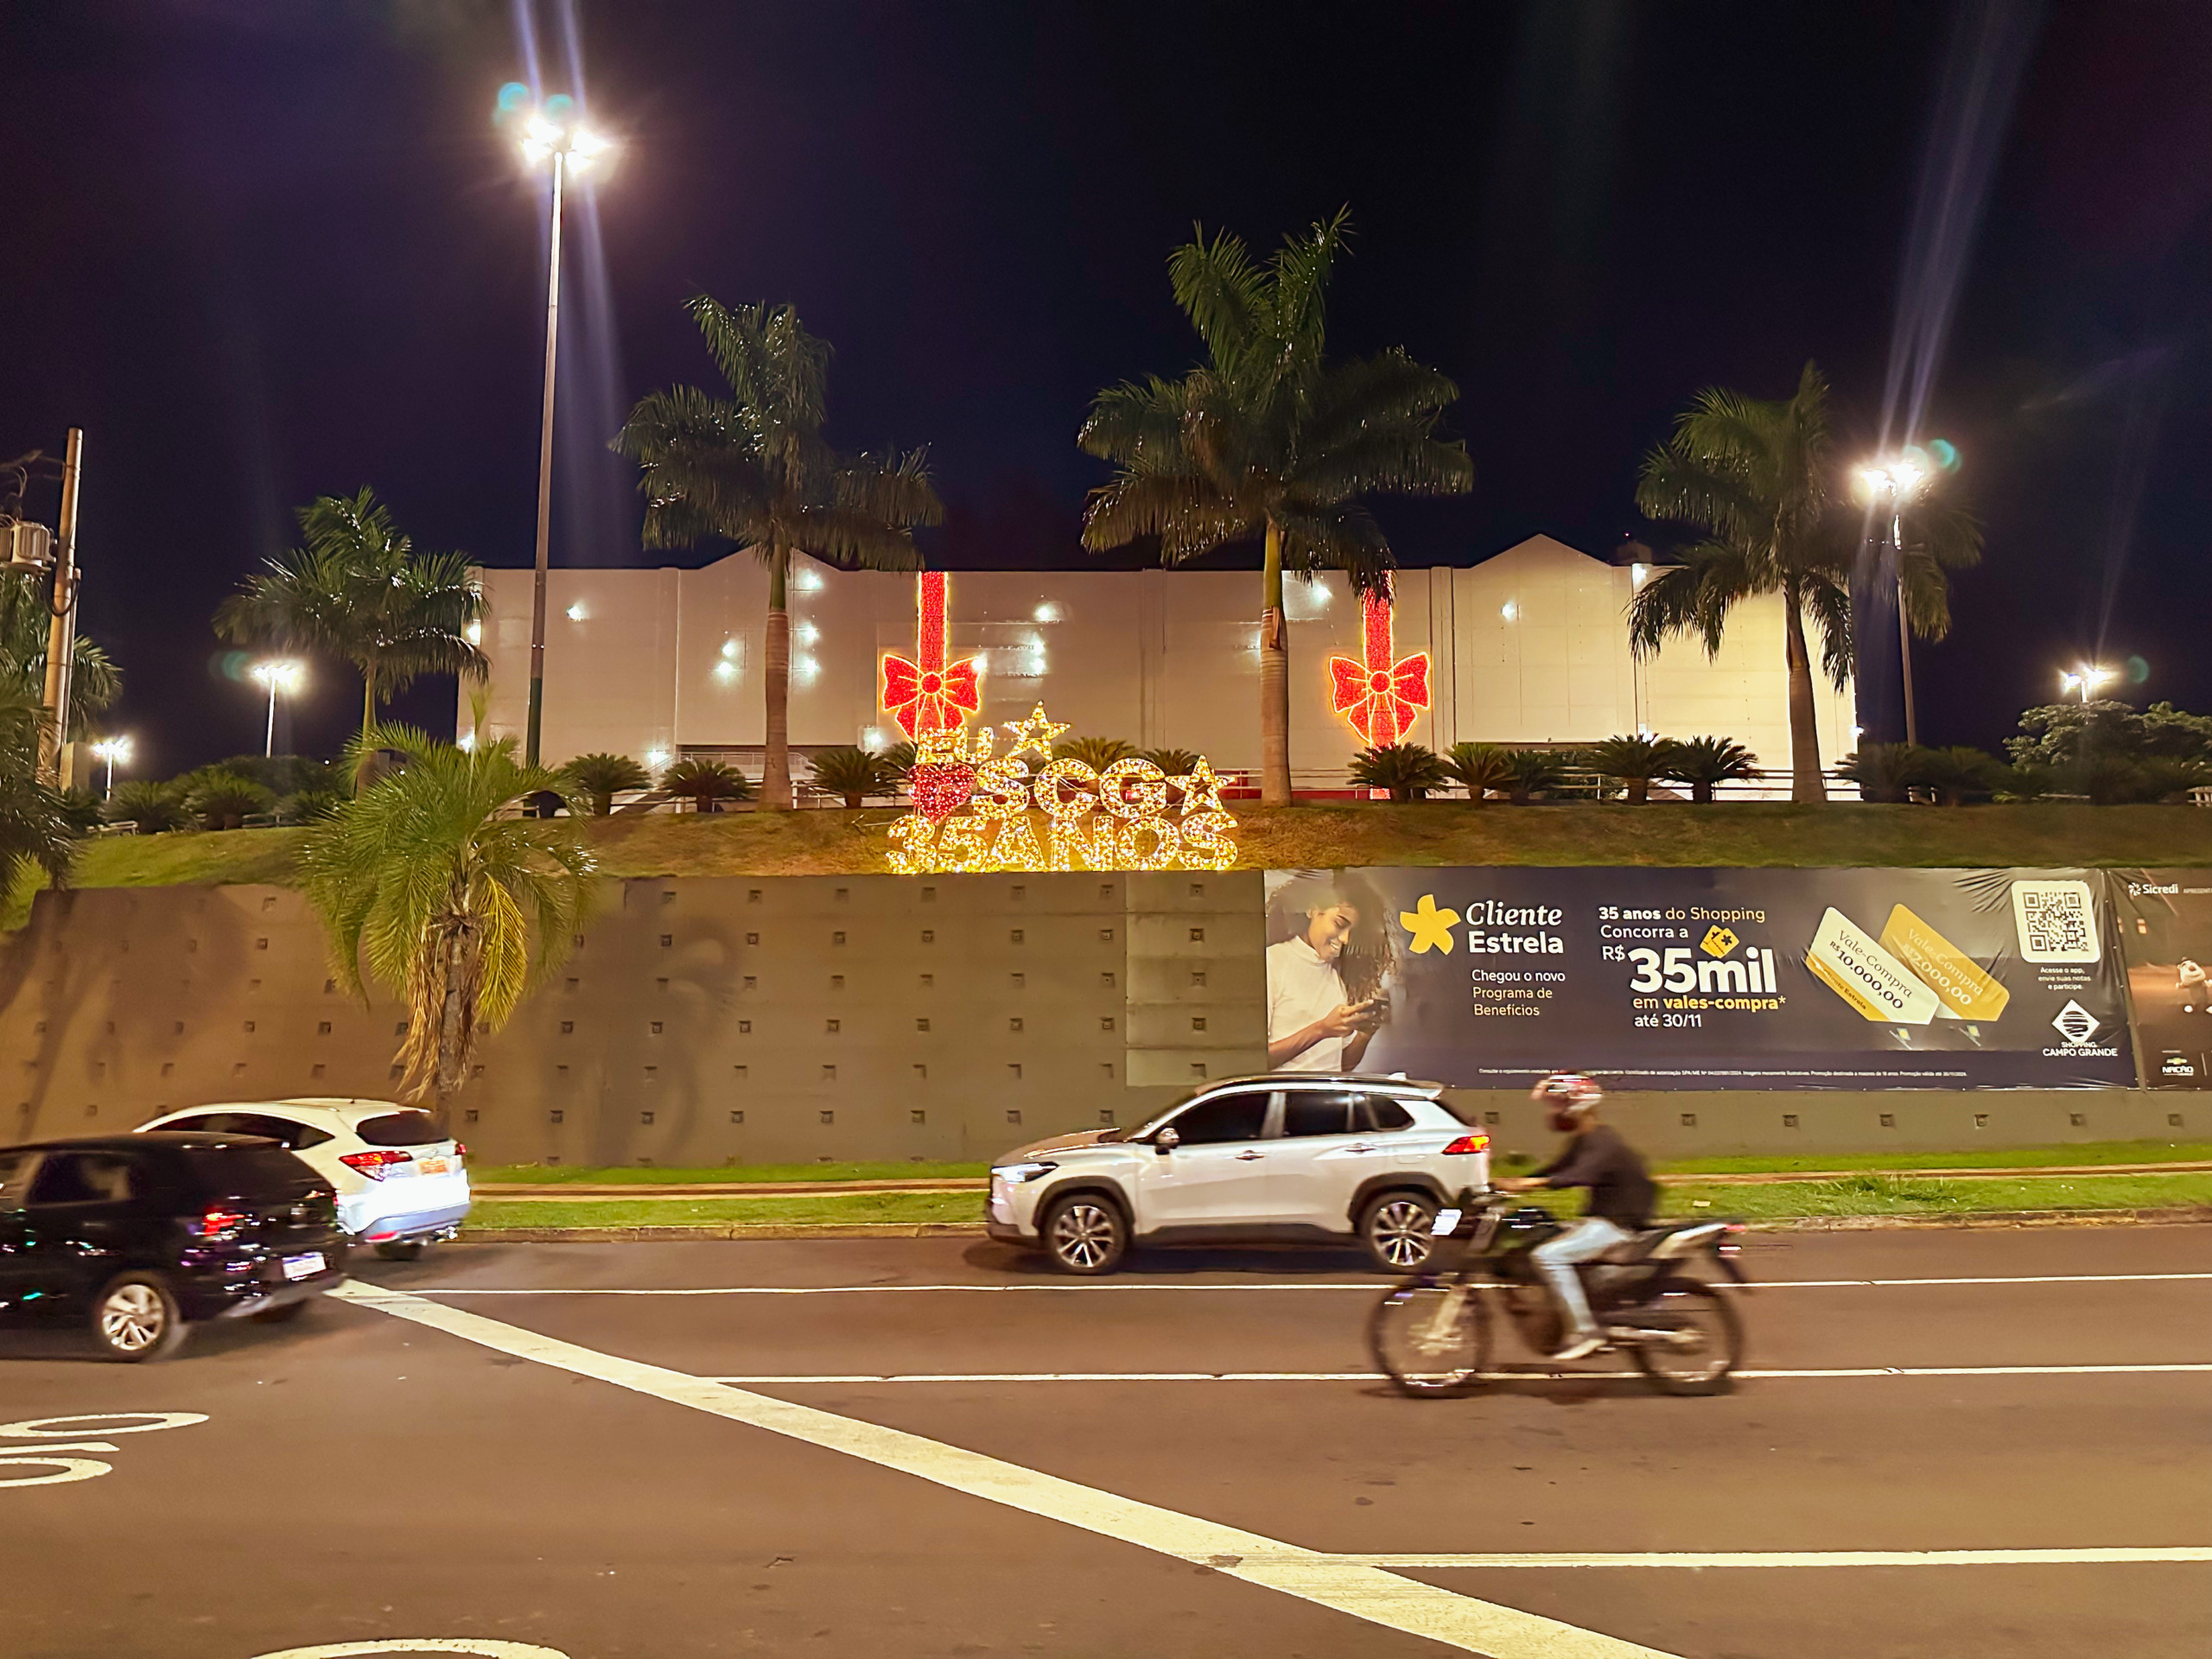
(401, 1183)
(1294, 1156)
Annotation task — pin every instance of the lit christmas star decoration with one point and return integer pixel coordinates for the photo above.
(930, 695)
(1431, 928)
(1380, 697)
(973, 812)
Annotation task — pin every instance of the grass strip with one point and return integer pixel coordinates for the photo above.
(735, 1174)
(1869, 1194)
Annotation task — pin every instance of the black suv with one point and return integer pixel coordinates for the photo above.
(138, 1233)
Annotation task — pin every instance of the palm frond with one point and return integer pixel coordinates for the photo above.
(1220, 290)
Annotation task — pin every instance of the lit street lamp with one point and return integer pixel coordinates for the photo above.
(1894, 483)
(110, 750)
(279, 676)
(2086, 679)
(554, 133)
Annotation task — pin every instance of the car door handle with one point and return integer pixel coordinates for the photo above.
(1250, 1157)
(1363, 1147)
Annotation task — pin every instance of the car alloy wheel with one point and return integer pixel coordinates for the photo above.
(1085, 1236)
(1398, 1234)
(136, 1317)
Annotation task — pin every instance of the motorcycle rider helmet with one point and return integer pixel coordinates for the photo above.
(1568, 1098)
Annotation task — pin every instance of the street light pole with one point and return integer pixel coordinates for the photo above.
(1905, 629)
(546, 470)
(268, 743)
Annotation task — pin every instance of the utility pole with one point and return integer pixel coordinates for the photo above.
(61, 633)
(545, 474)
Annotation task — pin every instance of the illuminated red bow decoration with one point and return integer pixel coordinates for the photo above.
(1380, 697)
(931, 694)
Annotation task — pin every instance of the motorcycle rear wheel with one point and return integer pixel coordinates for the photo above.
(1708, 1341)
(1427, 1347)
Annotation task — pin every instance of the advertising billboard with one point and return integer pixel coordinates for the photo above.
(2165, 929)
(1660, 978)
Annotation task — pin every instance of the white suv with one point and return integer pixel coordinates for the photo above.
(401, 1180)
(1295, 1156)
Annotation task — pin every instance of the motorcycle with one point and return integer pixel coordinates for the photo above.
(1431, 1334)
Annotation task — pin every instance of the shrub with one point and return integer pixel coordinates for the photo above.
(1634, 761)
(283, 774)
(1408, 770)
(2166, 777)
(1703, 762)
(2063, 733)
(80, 811)
(224, 800)
(153, 807)
(1529, 773)
(704, 782)
(1960, 772)
(1884, 771)
(854, 774)
(600, 777)
(899, 761)
(1097, 753)
(1176, 763)
(308, 805)
(1480, 767)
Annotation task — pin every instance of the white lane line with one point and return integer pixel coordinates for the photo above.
(1800, 1558)
(777, 1379)
(1371, 1285)
(1350, 1587)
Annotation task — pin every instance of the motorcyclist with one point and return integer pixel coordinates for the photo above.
(1621, 1195)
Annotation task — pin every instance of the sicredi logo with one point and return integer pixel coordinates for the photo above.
(2074, 1023)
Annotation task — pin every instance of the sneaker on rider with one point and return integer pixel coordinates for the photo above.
(1596, 1159)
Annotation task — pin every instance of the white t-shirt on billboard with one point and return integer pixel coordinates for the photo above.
(1301, 989)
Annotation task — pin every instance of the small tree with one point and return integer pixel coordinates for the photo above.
(1960, 773)
(421, 877)
(1176, 763)
(1481, 767)
(1884, 771)
(1705, 762)
(153, 807)
(853, 774)
(1407, 770)
(1634, 761)
(1097, 753)
(224, 800)
(1529, 773)
(599, 777)
(704, 782)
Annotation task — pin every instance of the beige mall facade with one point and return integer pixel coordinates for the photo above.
(1530, 646)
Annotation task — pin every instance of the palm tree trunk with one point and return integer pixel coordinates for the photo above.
(452, 1024)
(1805, 785)
(368, 705)
(1274, 679)
(776, 769)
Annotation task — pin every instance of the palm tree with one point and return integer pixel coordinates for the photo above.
(853, 774)
(753, 467)
(152, 806)
(1176, 763)
(1760, 482)
(94, 680)
(1408, 770)
(1632, 761)
(1270, 440)
(421, 877)
(596, 779)
(1703, 762)
(1884, 772)
(1481, 767)
(704, 782)
(1531, 772)
(1097, 753)
(359, 589)
(36, 833)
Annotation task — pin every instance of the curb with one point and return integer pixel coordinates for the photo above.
(742, 1229)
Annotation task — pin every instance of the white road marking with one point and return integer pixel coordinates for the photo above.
(478, 1645)
(1348, 1586)
(102, 1422)
(1799, 1558)
(1372, 1285)
(48, 1442)
(792, 1378)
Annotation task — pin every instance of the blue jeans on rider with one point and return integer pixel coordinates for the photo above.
(1590, 1237)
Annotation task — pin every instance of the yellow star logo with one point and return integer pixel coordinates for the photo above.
(1035, 733)
(1431, 928)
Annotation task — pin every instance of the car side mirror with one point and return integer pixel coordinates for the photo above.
(1165, 1142)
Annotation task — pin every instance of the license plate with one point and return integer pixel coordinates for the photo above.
(304, 1266)
(432, 1166)
(1446, 1223)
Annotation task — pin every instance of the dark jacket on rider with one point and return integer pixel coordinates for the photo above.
(1620, 1188)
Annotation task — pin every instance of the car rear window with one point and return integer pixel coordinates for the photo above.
(1374, 1112)
(400, 1129)
(83, 1178)
(244, 1172)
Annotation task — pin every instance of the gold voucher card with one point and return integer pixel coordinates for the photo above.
(1964, 989)
(1866, 976)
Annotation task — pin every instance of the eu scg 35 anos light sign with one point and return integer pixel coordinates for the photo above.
(973, 809)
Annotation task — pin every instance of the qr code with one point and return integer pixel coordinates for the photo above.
(2056, 920)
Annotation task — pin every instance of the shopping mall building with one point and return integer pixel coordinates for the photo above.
(1529, 647)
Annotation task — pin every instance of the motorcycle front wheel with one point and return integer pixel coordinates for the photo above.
(1430, 1337)
(1695, 1340)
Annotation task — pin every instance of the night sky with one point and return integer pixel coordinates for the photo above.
(262, 250)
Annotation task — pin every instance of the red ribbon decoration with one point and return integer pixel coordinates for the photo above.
(931, 694)
(1380, 698)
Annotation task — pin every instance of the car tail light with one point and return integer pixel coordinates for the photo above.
(218, 1222)
(461, 1149)
(373, 1164)
(1467, 1143)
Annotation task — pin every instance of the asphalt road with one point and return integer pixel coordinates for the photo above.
(925, 1448)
